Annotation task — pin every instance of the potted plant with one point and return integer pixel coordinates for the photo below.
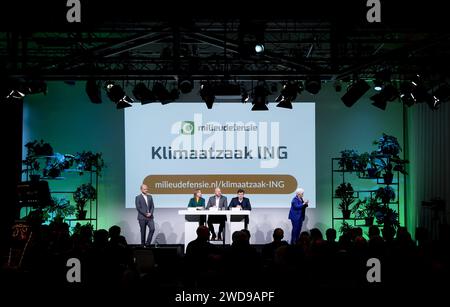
(346, 193)
(367, 209)
(385, 194)
(56, 164)
(345, 228)
(347, 161)
(35, 149)
(372, 165)
(388, 145)
(89, 161)
(362, 162)
(60, 208)
(83, 193)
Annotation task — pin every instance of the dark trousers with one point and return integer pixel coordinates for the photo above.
(202, 220)
(296, 229)
(143, 224)
(216, 220)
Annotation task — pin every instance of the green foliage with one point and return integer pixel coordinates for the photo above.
(89, 161)
(60, 208)
(346, 193)
(34, 150)
(385, 194)
(56, 164)
(388, 145)
(348, 160)
(82, 194)
(366, 208)
(345, 227)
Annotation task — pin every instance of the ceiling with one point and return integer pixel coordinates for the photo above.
(124, 43)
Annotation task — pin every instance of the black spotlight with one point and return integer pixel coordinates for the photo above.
(143, 94)
(442, 92)
(382, 78)
(354, 92)
(117, 95)
(407, 93)
(161, 93)
(207, 94)
(185, 85)
(260, 102)
(388, 93)
(288, 94)
(93, 90)
(313, 85)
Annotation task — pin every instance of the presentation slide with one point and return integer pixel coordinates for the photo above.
(180, 147)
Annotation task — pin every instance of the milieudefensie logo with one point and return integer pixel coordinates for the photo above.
(187, 127)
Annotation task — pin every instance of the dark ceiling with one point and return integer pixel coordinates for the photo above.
(147, 40)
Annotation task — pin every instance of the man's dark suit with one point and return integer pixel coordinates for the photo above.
(144, 220)
(216, 218)
(245, 205)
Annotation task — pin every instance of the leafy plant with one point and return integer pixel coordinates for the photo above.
(385, 194)
(366, 208)
(82, 194)
(345, 227)
(362, 162)
(89, 161)
(388, 145)
(346, 193)
(34, 150)
(56, 164)
(60, 208)
(348, 160)
(387, 216)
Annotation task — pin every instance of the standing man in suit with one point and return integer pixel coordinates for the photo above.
(243, 203)
(145, 208)
(220, 202)
(297, 214)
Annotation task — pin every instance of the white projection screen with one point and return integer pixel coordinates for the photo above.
(177, 148)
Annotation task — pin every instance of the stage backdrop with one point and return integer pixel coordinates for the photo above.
(70, 122)
(177, 148)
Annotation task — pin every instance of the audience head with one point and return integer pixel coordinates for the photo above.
(278, 234)
(203, 233)
(316, 234)
(114, 232)
(374, 232)
(331, 234)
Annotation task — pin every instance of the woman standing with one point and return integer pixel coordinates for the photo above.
(297, 214)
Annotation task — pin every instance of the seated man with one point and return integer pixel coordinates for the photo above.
(243, 203)
(220, 202)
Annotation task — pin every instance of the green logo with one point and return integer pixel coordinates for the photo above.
(187, 127)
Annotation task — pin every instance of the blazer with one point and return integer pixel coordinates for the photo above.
(245, 203)
(200, 203)
(223, 204)
(297, 212)
(142, 207)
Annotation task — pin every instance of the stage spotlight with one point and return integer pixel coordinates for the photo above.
(433, 102)
(143, 94)
(260, 102)
(288, 94)
(406, 93)
(114, 92)
(388, 93)
(185, 85)
(207, 94)
(443, 92)
(161, 93)
(244, 96)
(93, 91)
(382, 78)
(125, 102)
(354, 92)
(259, 48)
(313, 85)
